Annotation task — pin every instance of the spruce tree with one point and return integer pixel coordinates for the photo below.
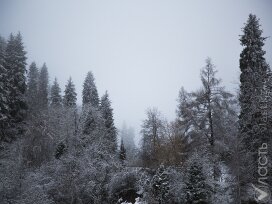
(43, 84)
(32, 87)
(160, 185)
(252, 128)
(197, 189)
(122, 152)
(89, 93)
(4, 108)
(107, 114)
(55, 98)
(15, 64)
(70, 96)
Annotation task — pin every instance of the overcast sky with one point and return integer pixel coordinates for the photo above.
(141, 51)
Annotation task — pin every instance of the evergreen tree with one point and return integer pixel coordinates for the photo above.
(89, 93)
(15, 64)
(43, 84)
(55, 97)
(128, 135)
(160, 185)
(4, 108)
(70, 96)
(253, 78)
(107, 114)
(32, 87)
(122, 153)
(197, 190)
(91, 119)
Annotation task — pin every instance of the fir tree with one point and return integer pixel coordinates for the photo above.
(89, 93)
(43, 84)
(252, 130)
(122, 152)
(15, 64)
(107, 114)
(70, 96)
(197, 190)
(160, 185)
(32, 87)
(55, 98)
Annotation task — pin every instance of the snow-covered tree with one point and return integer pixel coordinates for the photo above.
(197, 189)
(70, 95)
(107, 114)
(32, 87)
(253, 130)
(55, 97)
(160, 185)
(15, 63)
(4, 108)
(89, 93)
(201, 111)
(43, 85)
(208, 118)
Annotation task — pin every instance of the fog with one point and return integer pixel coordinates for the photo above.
(141, 51)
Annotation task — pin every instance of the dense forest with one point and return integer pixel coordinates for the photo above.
(216, 150)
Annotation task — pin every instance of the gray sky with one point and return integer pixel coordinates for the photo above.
(141, 51)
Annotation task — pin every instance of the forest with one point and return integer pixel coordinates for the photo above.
(53, 150)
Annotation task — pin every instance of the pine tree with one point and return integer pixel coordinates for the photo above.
(122, 152)
(32, 87)
(107, 114)
(160, 185)
(252, 128)
(197, 190)
(4, 108)
(70, 96)
(55, 98)
(15, 64)
(43, 84)
(89, 93)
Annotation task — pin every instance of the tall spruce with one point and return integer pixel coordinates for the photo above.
(70, 95)
(32, 87)
(55, 97)
(89, 93)
(15, 64)
(91, 117)
(43, 85)
(4, 108)
(107, 114)
(252, 119)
